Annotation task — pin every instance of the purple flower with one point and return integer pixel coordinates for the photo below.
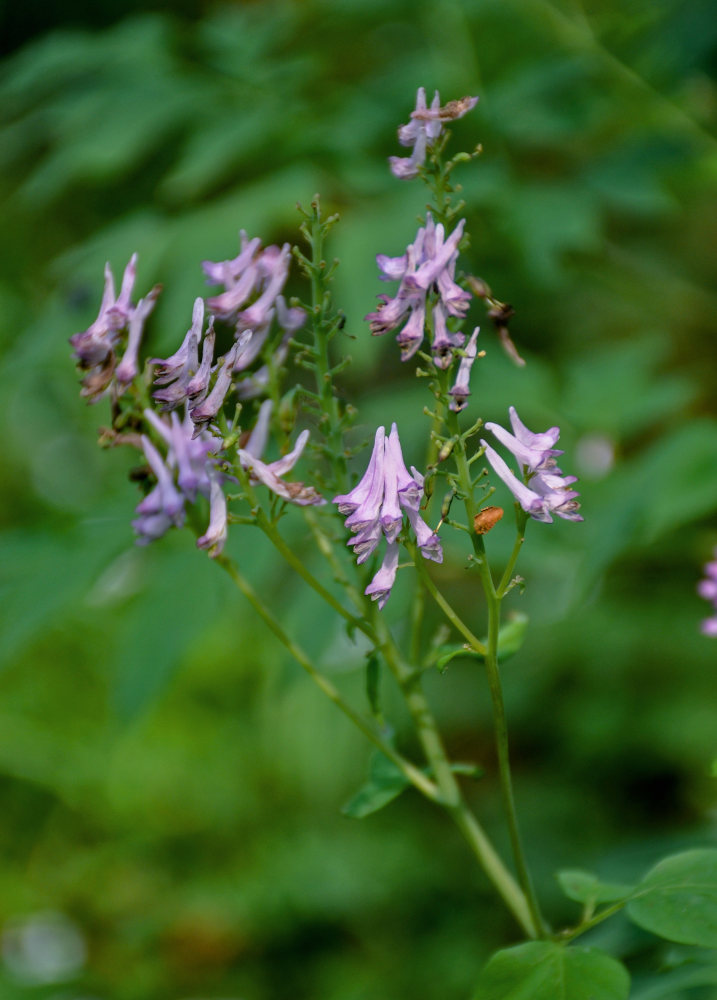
(545, 490)
(95, 347)
(707, 588)
(461, 389)
(203, 412)
(188, 470)
(270, 473)
(380, 587)
(424, 128)
(428, 264)
(216, 534)
(376, 505)
(163, 506)
(175, 373)
(534, 451)
(253, 283)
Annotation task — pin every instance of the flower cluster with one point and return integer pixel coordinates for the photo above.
(375, 507)
(95, 347)
(424, 128)
(253, 283)
(428, 264)
(707, 588)
(187, 470)
(204, 386)
(545, 490)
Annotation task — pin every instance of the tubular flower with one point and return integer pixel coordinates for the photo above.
(270, 473)
(429, 263)
(95, 347)
(175, 374)
(375, 507)
(424, 128)
(253, 282)
(461, 389)
(188, 470)
(544, 490)
(707, 588)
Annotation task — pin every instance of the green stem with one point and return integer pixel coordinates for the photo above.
(451, 798)
(506, 780)
(609, 911)
(445, 607)
(493, 599)
(322, 326)
(272, 533)
(328, 551)
(521, 520)
(409, 770)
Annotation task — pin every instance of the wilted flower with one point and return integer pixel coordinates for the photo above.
(544, 491)
(270, 473)
(428, 264)
(424, 128)
(707, 588)
(95, 347)
(376, 505)
(461, 389)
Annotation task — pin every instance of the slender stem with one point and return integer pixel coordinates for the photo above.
(331, 419)
(446, 608)
(451, 798)
(417, 609)
(609, 911)
(409, 770)
(506, 780)
(521, 520)
(493, 598)
(328, 551)
(272, 533)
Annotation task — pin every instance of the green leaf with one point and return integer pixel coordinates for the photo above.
(373, 680)
(584, 887)
(512, 635)
(510, 639)
(542, 970)
(384, 784)
(677, 899)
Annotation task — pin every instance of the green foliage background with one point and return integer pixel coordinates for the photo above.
(167, 779)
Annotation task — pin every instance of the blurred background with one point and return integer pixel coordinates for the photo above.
(170, 784)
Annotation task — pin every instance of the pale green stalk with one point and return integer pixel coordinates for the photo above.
(413, 774)
(493, 599)
(451, 798)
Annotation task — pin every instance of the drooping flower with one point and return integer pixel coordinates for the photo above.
(707, 588)
(429, 263)
(461, 388)
(544, 490)
(95, 347)
(174, 374)
(424, 128)
(253, 282)
(188, 470)
(269, 474)
(375, 507)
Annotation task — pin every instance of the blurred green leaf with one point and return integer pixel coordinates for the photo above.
(385, 783)
(677, 899)
(584, 887)
(541, 970)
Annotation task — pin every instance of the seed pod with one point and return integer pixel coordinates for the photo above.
(487, 519)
